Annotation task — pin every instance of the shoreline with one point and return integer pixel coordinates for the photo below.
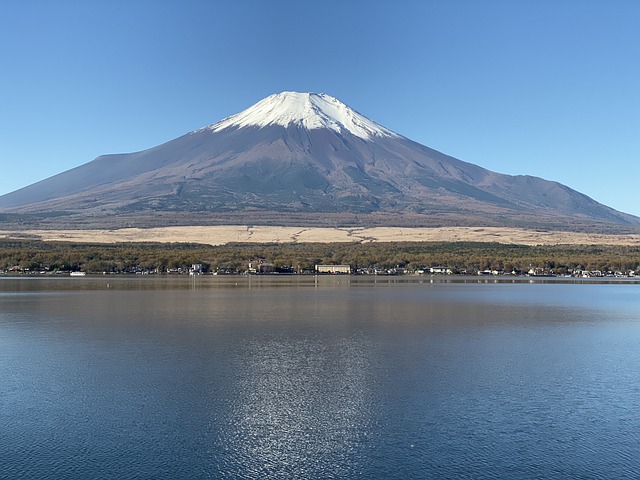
(305, 278)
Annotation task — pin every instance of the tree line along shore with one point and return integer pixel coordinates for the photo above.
(38, 257)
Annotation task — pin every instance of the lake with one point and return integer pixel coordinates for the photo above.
(318, 377)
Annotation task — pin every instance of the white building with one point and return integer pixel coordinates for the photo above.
(441, 270)
(333, 269)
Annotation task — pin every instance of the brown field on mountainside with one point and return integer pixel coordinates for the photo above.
(221, 235)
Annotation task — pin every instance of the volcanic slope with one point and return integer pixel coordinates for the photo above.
(303, 156)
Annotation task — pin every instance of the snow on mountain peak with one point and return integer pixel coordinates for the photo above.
(309, 110)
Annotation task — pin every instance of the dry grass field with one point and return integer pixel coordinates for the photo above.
(220, 235)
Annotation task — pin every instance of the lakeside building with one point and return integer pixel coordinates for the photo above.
(196, 269)
(440, 270)
(346, 269)
(261, 267)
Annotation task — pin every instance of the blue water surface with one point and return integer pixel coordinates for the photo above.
(318, 378)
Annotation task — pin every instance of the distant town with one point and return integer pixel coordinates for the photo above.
(31, 257)
(267, 268)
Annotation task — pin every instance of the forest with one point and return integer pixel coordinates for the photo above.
(28, 256)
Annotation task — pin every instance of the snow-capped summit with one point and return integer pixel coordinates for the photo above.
(309, 110)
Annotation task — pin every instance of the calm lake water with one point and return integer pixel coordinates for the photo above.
(330, 377)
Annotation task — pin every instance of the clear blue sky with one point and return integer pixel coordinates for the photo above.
(547, 88)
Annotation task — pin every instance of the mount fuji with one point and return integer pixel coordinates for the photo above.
(300, 158)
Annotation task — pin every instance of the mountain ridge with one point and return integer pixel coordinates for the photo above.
(303, 154)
